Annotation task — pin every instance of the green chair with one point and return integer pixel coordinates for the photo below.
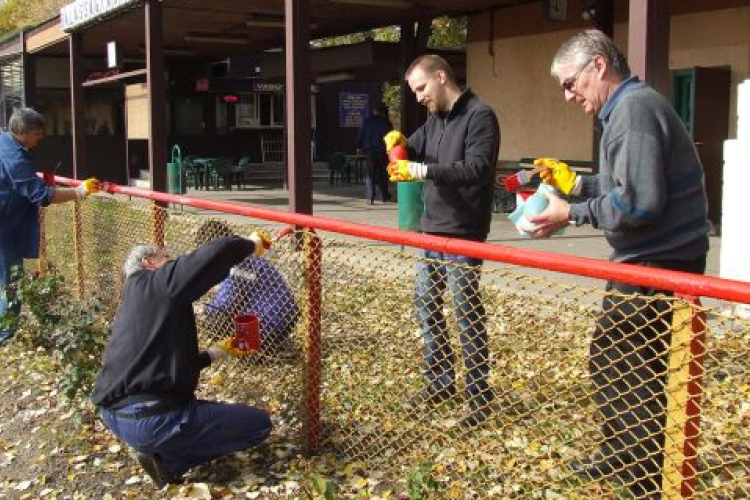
(220, 172)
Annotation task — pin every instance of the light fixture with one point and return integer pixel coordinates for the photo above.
(398, 4)
(588, 14)
(334, 77)
(234, 40)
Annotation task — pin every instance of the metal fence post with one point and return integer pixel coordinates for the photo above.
(313, 260)
(78, 245)
(684, 391)
(158, 222)
(49, 178)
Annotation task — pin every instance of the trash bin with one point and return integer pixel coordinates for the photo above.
(175, 174)
(410, 205)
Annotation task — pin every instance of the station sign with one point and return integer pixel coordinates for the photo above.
(84, 12)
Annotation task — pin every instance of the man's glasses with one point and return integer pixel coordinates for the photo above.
(569, 83)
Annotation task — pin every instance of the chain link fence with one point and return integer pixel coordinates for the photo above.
(500, 381)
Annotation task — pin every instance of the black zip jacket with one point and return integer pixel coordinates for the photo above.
(460, 149)
(153, 347)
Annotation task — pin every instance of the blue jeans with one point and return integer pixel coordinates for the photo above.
(461, 274)
(191, 435)
(8, 260)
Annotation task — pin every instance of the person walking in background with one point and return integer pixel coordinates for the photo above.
(455, 153)
(649, 199)
(145, 389)
(22, 193)
(370, 142)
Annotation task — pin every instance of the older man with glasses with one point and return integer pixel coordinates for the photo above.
(22, 193)
(649, 199)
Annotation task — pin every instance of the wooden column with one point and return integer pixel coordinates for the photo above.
(77, 107)
(648, 43)
(28, 61)
(412, 45)
(157, 141)
(298, 118)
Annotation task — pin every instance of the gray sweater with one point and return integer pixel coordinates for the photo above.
(649, 197)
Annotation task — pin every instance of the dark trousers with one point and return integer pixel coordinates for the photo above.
(8, 300)
(461, 275)
(192, 434)
(377, 175)
(628, 365)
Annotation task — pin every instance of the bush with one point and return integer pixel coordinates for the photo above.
(72, 331)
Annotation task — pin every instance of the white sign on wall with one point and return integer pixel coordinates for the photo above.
(83, 12)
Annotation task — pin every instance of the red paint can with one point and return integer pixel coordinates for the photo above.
(246, 332)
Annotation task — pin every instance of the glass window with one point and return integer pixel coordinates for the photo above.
(246, 111)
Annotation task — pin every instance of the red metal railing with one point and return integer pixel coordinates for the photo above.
(678, 282)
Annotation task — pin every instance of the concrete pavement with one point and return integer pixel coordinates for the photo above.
(347, 202)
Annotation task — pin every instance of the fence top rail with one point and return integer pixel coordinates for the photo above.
(687, 284)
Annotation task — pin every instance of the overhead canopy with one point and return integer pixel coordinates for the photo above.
(217, 28)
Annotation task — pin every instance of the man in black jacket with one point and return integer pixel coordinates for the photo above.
(370, 142)
(145, 389)
(455, 154)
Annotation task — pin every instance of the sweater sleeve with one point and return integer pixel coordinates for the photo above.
(190, 276)
(480, 150)
(639, 193)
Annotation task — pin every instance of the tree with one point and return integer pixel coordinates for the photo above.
(16, 14)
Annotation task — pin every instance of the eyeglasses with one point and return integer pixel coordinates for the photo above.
(569, 83)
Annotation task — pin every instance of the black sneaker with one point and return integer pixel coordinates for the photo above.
(155, 468)
(429, 396)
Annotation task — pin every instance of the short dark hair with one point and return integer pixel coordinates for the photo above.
(24, 120)
(431, 64)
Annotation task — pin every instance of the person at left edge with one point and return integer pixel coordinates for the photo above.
(145, 388)
(22, 192)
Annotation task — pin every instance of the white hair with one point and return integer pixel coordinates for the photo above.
(134, 260)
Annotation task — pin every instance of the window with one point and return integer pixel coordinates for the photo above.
(246, 111)
(259, 111)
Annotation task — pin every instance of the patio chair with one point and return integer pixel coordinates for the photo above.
(220, 172)
(239, 172)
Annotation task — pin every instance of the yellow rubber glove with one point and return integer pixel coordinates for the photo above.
(557, 174)
(225, 347)
(262, 243)
(394, 138)
(87, 187)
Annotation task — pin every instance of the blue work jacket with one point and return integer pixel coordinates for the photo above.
(21, 195)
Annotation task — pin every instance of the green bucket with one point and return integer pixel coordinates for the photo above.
(410, 205)
(175, 184)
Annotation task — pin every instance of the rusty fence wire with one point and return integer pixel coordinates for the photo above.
(504, 382)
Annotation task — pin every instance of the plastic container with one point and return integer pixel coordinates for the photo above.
(246, 332)
(410, 205)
